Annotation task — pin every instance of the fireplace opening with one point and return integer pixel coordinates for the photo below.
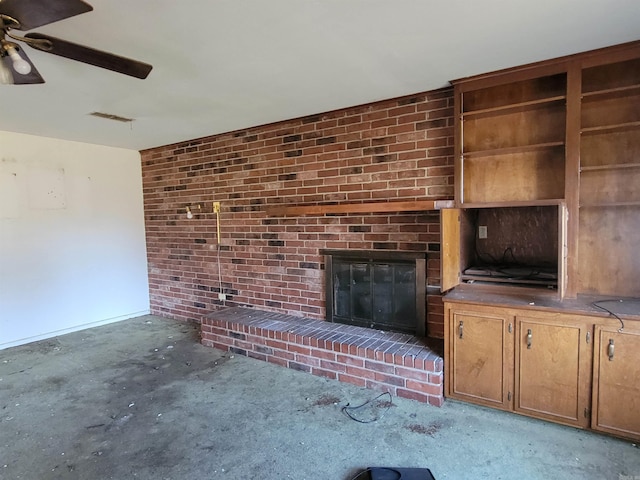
(381, 290)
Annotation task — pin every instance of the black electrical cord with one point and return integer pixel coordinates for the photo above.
(347, 409)
(361, 473)
(513, 257)
(357, 477)
(597, 305)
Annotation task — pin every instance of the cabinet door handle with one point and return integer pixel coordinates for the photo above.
(460, 328)
(529, 338)
(611, 349)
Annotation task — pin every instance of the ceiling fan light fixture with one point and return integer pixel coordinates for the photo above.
(20, 65)
(6, 77)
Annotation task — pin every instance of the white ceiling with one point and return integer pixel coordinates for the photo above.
(230, 64)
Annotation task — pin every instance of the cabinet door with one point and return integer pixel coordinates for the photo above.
(457, 240)
(553, 366)
(481, 357)
(616, 392)
(450, 246)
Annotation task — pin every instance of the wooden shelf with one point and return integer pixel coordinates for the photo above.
(603, 129)
(370, 207)
(528, 203)
(514, 107)
(621, 166)
(511, 150)
(611, 204)
(611, 92)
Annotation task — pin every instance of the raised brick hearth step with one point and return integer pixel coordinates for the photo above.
(398, 363)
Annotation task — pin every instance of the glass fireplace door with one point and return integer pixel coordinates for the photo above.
(375, 294)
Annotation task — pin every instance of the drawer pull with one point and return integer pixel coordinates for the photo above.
(460, 328)
(529, 338)
(611, 349)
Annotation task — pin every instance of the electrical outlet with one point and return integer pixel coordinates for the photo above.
(482, 231)
(222, 296)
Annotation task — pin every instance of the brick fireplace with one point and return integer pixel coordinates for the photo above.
(375, 289)
(395, 150)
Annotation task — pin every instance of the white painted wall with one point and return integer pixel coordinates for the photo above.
(72, 239)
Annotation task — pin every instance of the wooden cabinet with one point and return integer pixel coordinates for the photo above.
(480, 367)
(616, 374)
(533, 363)
(553, 368)
(574, 369)
(547, 169)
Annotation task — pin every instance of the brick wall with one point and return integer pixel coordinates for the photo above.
(400, 149)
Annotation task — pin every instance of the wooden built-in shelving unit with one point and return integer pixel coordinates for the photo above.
(609, 215)
(563, 133)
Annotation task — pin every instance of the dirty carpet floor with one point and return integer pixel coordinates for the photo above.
(143, 399)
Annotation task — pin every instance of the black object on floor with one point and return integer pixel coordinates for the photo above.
(392, 473)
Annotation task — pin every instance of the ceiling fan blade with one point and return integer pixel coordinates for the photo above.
(18, 78)
(35, 13)
(91, 56)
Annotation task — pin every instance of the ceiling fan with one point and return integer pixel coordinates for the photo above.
(15, 66)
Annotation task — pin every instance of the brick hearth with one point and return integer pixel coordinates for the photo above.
(398, 363)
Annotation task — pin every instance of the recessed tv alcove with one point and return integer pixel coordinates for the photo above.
(512, 246)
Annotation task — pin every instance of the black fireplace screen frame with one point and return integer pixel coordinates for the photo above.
(395, 268)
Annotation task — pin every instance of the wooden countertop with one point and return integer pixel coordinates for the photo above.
(625, 307)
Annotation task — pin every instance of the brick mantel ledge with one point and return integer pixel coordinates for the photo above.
(398, 363)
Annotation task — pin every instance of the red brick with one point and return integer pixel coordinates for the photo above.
(360, 382)
(426, 388)
(389, 379)
(333, 366)
(312, 362)
(350, 360)
(278, 361)
(243, 345)
(324, 373)
(360, 372)
(257, 356)
(276, 344)
(220, 346)
(324, 354)
(413, 374)
(284, 354)
(421, 397)
(379, 367)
